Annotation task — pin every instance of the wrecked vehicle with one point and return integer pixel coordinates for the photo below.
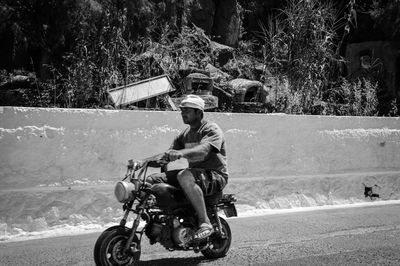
(249, 96)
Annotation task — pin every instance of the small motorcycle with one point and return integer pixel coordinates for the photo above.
(169, 220)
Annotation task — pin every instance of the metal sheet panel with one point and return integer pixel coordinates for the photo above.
(141, 90)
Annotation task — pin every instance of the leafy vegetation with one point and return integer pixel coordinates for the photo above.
(84, 48)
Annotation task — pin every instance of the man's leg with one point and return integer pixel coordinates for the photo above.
(169, 177)
(194, 193)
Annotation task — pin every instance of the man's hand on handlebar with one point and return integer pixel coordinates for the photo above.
(158, 160)
(173, 155)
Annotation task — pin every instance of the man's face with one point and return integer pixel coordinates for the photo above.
(190, 115)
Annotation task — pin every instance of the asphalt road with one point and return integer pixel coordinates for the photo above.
(350, 236)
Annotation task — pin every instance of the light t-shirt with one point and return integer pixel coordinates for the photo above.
(208, 132)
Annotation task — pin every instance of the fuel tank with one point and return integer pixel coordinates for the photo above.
(168, 196)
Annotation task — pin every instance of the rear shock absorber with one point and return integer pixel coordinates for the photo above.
(220, 232)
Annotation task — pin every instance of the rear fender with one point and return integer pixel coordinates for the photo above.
(227, 204)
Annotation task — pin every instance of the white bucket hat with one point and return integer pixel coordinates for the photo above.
(192, 101)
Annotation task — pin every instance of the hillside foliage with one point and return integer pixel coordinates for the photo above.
(73, 51)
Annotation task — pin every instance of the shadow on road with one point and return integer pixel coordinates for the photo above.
(174, 261)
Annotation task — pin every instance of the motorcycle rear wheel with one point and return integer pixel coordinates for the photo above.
(219, 246)
(111, 250)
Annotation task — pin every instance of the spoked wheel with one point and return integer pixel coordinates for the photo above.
(219, 244)
(100, 239)
(112, 249)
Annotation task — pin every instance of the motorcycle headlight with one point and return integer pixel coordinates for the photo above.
(125, 191)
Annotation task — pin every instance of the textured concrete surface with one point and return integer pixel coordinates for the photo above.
(58, 166)
(351, 236)
(46, 145)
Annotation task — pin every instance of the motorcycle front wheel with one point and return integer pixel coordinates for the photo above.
(219, 243)
(100, 239)
(112, 249)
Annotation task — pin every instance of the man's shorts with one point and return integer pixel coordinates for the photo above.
(209, 181)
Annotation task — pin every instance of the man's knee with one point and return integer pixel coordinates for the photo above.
(185, 177)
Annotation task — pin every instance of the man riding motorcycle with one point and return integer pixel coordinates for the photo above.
(203, 145)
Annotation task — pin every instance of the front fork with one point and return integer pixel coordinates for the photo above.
(128, 245)
(139, 212)
(127, 208)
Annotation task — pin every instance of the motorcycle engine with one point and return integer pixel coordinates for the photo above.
(169, 236)
(157, 232)
(182, 235)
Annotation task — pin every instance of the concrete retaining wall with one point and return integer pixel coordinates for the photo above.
(48, 145)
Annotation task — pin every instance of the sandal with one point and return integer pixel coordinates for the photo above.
(204, 231)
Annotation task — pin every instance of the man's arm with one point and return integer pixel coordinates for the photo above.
(161, 160)
(158, 160)
(196, 153)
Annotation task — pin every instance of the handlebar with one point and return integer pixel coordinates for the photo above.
(159, 160)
